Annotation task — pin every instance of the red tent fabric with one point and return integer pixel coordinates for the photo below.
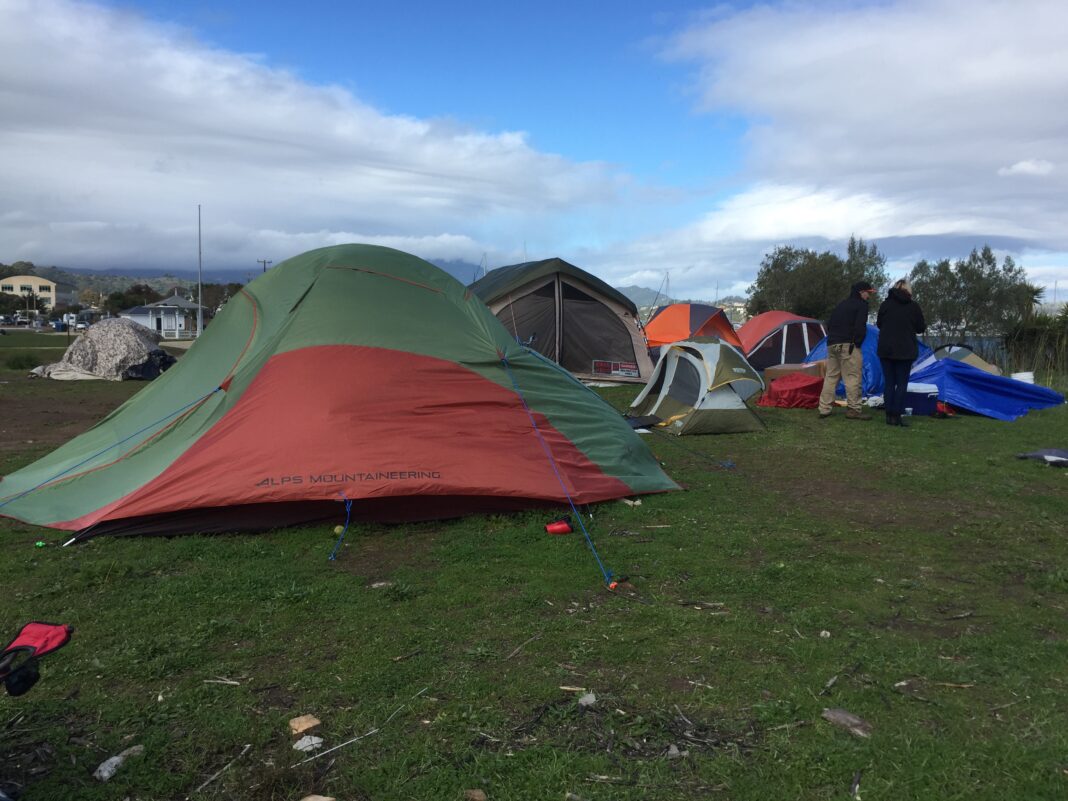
(778, 337)
(793, 391)
(681, 321)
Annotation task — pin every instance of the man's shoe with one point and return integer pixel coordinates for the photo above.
(851, 415)
(901, 422)
(824, 416)
(891, 420)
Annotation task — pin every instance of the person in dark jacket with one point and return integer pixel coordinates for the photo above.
(846, 330)
(899, 320)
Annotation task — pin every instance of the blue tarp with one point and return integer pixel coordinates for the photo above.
(996, 396)
(872, 376)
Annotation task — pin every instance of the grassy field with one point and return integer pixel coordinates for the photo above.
(917, 578)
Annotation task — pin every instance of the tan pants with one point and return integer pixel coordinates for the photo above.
(847, 366)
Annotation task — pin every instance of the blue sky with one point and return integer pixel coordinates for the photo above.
(633, 139)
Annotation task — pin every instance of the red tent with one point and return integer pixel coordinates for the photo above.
(681, 321)
(778, 337)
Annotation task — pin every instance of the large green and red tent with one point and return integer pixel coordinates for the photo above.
(350, 373)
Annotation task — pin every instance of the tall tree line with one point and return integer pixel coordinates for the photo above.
(973, 295)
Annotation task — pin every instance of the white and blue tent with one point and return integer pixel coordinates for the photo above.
(973, 389)
(957, 382)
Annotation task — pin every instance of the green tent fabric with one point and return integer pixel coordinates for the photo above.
(570, 316)
(354, 373)
(700, 387)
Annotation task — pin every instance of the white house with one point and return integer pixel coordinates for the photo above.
(171, 318)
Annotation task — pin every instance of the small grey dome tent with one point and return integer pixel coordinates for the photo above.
(700, 387)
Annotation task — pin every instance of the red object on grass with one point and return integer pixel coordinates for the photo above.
(40, 638)
(793, 391)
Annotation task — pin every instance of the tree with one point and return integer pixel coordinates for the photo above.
(136, 295)
(11, 304)
(216, 295)
(89, 297)
(18, 268)
(974, 295)
(811, 284)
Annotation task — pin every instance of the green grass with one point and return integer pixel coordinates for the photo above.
(21, 351)
(931, 556)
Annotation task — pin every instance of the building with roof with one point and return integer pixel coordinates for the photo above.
(171, 318)
(42, 294)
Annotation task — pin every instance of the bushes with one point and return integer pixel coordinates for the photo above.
(1040, 344)
(23, 361)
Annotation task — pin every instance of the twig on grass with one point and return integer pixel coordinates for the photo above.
(703, 604)
(782, 726)
(222, 680)
(223, 769)
(961, 616)
(520, 646)
(375, 730)
(1006, 706)
(685, 719)
(402, 657)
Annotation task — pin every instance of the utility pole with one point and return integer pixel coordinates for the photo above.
(264, 262)
(200, 279)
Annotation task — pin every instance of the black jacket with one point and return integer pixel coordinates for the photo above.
(848, 322)
(900, 320)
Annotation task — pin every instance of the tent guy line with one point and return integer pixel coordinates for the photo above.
(101, 452)
(606, 573)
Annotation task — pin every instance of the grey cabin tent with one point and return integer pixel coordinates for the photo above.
(569, 316)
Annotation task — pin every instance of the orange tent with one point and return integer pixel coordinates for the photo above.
(681, 321)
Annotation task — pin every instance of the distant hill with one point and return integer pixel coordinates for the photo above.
(119, 279)
(643, 296)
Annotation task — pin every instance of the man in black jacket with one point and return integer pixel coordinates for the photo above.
(846, 329)
(900, 320)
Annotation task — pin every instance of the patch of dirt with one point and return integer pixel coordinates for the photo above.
(46, 420)
(376, 557)
(273, 696)
(851, 499)
(626, 734)
(22, 762)
(948, 626)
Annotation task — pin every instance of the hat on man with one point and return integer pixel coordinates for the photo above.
(863, 286)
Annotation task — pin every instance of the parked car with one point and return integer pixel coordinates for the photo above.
(81, 325)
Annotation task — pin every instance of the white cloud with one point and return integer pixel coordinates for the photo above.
(921, 124)
(1028, 167)
(889, 119)
(113, 129)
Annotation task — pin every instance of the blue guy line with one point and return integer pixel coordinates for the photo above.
(545, 447)
(344, 531)
(108, 448)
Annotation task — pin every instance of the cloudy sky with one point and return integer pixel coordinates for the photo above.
(674, 138)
